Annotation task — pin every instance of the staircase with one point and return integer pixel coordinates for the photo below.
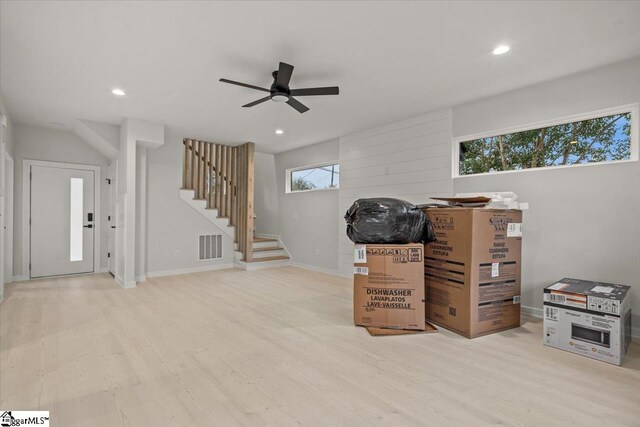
(217, 182)
(268, 252)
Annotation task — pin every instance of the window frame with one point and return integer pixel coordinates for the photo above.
(289, 171)
(633, 109)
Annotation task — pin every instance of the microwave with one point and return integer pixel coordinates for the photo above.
(591, 335)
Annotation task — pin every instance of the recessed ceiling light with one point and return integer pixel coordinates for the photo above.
(500, 49)
(279, 131)
(118, 92)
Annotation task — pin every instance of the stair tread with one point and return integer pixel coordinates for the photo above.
(271, 248)
(263, 239)
(269, 258)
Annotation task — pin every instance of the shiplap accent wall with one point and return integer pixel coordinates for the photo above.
(409, 160)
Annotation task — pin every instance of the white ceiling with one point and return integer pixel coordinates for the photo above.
(392, 60)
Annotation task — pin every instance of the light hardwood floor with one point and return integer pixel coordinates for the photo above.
(277, 347)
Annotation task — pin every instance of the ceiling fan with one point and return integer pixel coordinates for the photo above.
(280, 91)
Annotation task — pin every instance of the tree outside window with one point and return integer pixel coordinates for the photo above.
(315, 178)
(588, 141)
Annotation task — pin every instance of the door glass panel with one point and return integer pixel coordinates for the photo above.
(76, 211)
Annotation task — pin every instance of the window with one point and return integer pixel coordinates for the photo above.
(600, 138)
(320, 177)
(75, 219)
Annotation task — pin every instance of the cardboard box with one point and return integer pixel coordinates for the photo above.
(591, 319)
(388, 286)
(472, 270)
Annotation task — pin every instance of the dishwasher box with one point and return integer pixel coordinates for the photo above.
(472, 269)
(388, 286)
(591, 319)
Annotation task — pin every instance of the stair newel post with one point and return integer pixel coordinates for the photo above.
(238, 204)
(242, 182)
(207, 171)
(218, 154)
(185, 160)
(234, 209)
(227, 184)
(229, 177)
(196, 169)
(223, 167)
(201, 165)
(214, 176)
(212, 148)
(248, 256)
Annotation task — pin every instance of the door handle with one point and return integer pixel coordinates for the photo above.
(88, 226)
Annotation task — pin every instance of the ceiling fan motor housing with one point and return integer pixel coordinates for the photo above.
(278, 94)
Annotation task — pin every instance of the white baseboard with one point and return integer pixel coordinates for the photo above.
(263, 265)
(531, 311)
(125, 285)
(328, 271)
(141, 278)
(25, 278)
(188, 270)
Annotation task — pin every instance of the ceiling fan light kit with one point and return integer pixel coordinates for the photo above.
(280, 91)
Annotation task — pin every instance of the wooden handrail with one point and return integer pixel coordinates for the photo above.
(223, 176)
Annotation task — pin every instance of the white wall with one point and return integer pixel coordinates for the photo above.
(6, 208)
(308, 225)
(34, 143)
(265, 195)
(141, 214)
(135, 138)
(7, 133)
(409, 160)
(173, 227)
(583, 221)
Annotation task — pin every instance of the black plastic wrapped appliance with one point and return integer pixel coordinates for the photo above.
(387, 220)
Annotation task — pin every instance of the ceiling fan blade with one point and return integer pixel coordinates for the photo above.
(299, 106)
(284, 75)
(244, 85)
(310, 91)
(259, 101)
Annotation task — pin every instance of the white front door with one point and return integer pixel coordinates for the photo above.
(62, 221)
